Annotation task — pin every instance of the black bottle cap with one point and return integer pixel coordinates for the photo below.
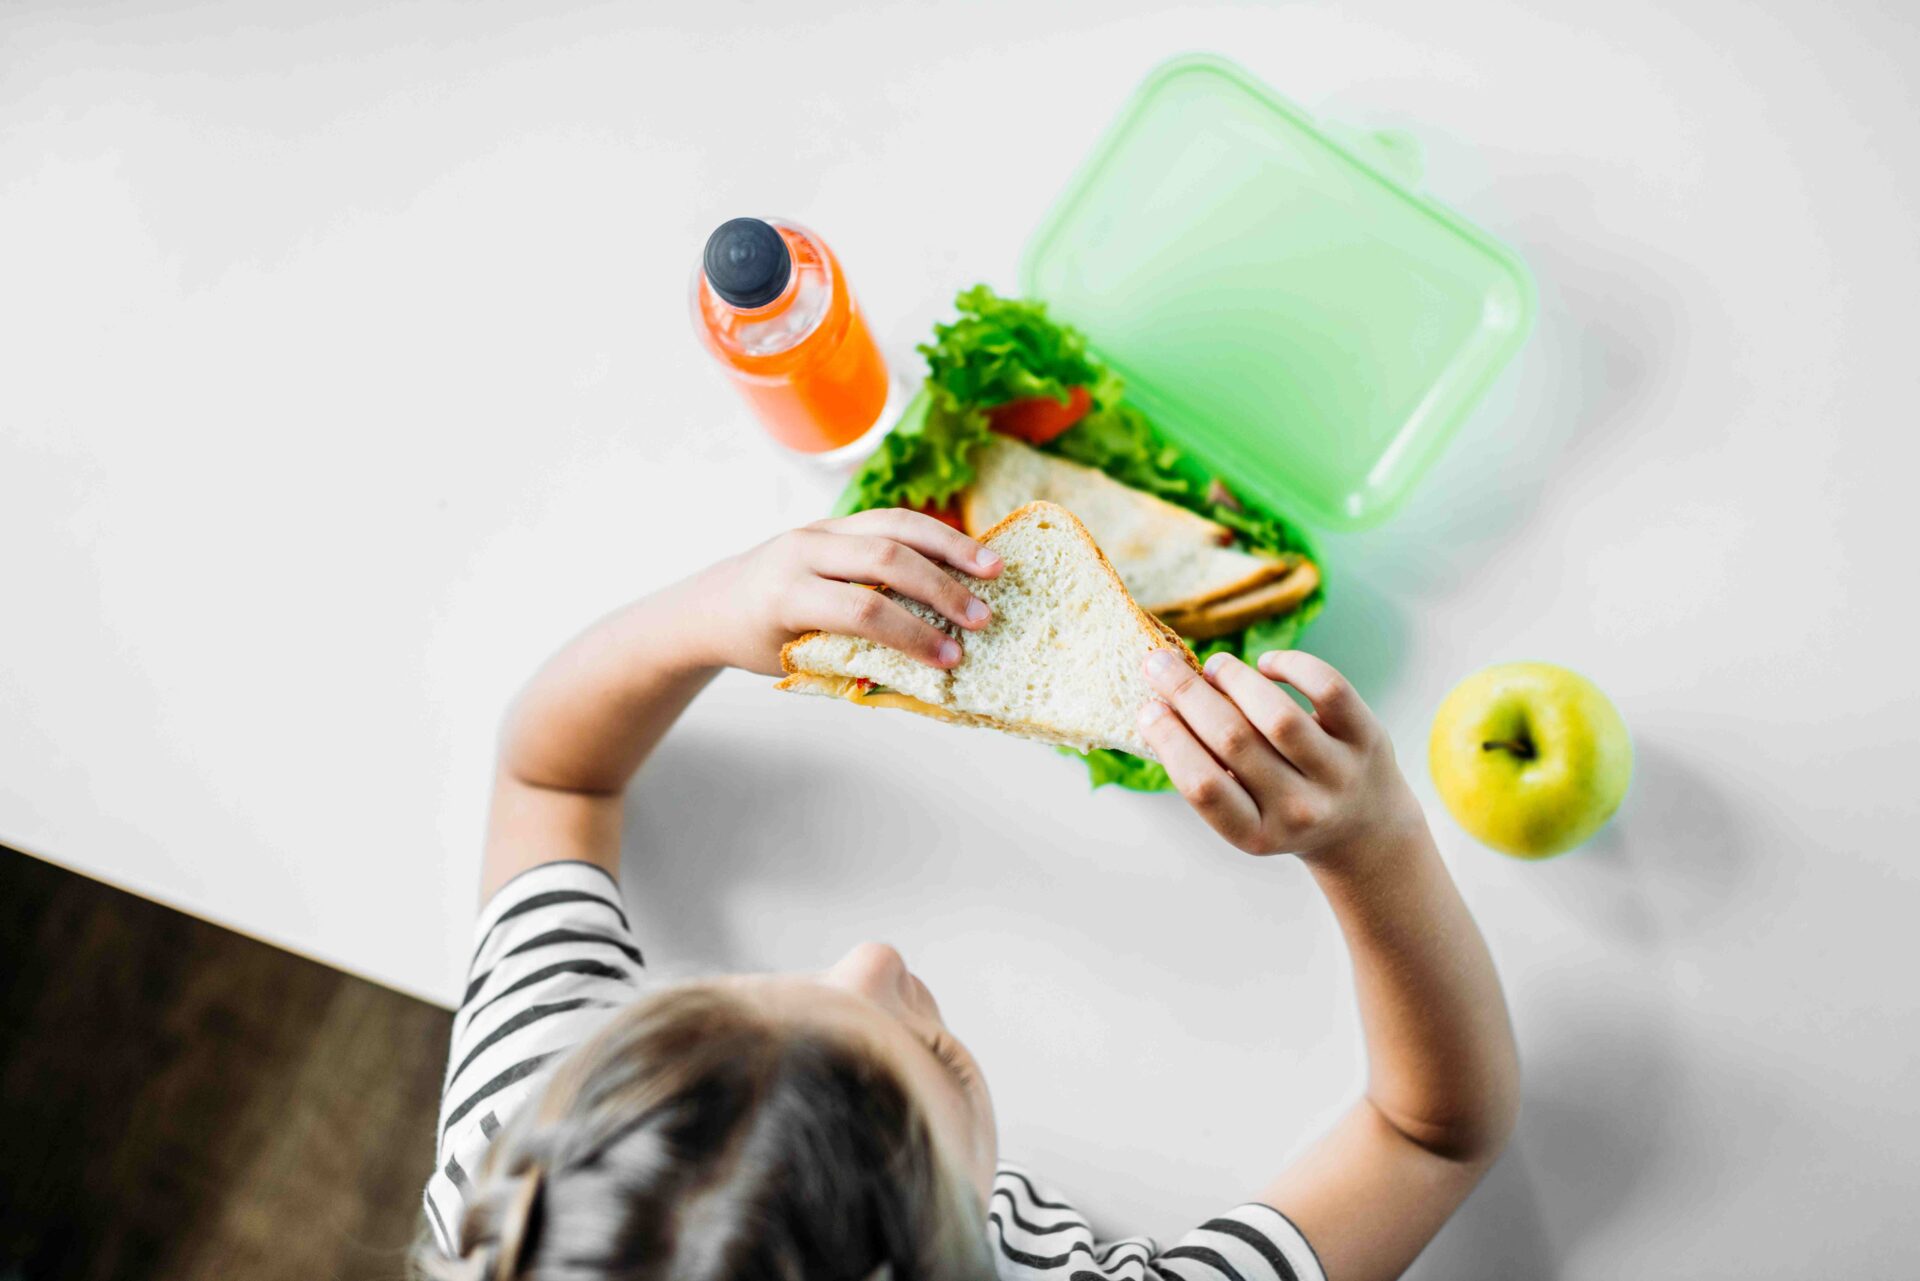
(747, 262)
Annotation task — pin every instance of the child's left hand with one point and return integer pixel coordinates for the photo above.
(1271, 776)
(817, 576)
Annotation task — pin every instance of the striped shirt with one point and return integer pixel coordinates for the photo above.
(554, 957)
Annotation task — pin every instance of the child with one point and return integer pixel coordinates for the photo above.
(829, 1127)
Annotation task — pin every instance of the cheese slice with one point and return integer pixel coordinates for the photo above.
(864, 693)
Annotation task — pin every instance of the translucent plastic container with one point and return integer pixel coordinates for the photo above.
(1280, 300)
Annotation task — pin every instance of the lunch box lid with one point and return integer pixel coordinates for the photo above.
(1279, 299)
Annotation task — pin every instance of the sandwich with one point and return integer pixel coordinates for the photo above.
(1014, 409)
(1060, 661)
(1180, 565)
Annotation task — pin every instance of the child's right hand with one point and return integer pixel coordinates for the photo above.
(1268, 775)
(812, 577)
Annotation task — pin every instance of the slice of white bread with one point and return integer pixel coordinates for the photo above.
(1059, 662)
(850, 656)
(1172, 560)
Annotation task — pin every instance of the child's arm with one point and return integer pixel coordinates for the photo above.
(591, 715)
(1442, 1088)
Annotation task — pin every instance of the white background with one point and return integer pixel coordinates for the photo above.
(346, 370)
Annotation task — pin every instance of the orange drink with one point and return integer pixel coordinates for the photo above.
(772, 305)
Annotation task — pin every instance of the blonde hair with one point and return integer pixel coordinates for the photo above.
(696, 1138)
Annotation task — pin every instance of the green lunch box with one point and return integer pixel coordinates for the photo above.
(1281, 302)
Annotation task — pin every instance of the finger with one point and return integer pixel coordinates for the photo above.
(1267, 707)
(929, 537)
(1336, 704)
(1218, 724)
(1214, 794)
(856, 558)
(864, 612)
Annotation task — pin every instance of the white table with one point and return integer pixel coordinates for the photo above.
(345, 370)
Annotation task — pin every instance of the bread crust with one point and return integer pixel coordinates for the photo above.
(786, 653)
(1236, 612)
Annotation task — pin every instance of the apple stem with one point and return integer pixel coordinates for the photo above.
(1519, 747)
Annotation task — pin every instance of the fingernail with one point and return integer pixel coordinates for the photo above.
(986, 559)
(1152, 710)
(949, 653)
(1160, 662)
(1215, 663)
(976, 611)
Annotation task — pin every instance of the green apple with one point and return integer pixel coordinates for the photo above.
(1530, 758)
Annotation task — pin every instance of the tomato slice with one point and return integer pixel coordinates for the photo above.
(1038, 419)
(948, 515)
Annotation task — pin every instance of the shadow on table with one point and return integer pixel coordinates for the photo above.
(1499, 1232)
(1608, 329)
(1670, 862)
(1600, 1086)
(696, 829)
(1364, 633)
(1608, 325)
(719, 814)
(1602, 1078)
(1601, 1083)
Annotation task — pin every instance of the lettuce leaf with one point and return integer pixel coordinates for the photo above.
(1122, 769)
(1001, 349)
(923, 461)
(1117, 440)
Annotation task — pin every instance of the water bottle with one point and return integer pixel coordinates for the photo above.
(772, 305)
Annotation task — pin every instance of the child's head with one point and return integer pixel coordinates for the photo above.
(817, 1127)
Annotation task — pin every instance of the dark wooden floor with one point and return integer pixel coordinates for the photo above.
(177, 1101)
